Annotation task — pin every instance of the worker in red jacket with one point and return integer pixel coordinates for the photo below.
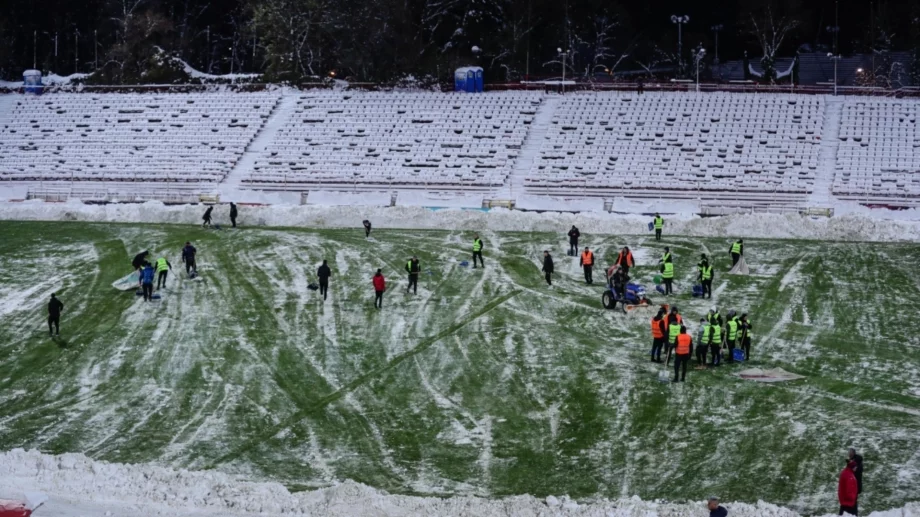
(380, 285)
(848, 490)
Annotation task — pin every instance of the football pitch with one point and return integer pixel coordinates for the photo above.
(484, 383)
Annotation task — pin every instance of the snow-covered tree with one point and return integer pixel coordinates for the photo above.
(770, 30)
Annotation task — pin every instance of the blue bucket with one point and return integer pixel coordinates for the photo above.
(651, 226)
(738, 355)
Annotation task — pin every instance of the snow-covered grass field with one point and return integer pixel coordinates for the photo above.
(484, 383)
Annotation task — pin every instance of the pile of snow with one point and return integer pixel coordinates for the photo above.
(790, 226)
(79, 486)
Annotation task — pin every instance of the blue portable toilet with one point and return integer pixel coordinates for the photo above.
(465, 79)
(32, 82)
(478, 72)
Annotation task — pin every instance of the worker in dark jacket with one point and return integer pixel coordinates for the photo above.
(574, 234)
(188, 256)
(618, 282)
(705, 276)
(477, 251)
(139, 259)
(367, 228)
(736, 251)
(207, 216)
(714, 509)
(413, 267)
(858, 471)
(324, 273)
(233, 214)
(548, 268)
(146, 281)
(55, 307)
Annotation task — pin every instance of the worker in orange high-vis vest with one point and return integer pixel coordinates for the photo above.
(587, 262)
(659, 331)
(625, 259)
(682, 357)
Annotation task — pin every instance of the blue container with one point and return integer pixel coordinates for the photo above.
(32, 82)
(738, 355)
(651, 226)
(465, 79)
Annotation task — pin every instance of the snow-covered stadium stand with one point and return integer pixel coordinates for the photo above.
(751, 149)
(879, 152)
(149, 138)
(676, 143)
(403, 140)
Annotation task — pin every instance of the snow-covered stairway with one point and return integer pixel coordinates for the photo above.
(246, 165)
(822, 193)
(514, 184)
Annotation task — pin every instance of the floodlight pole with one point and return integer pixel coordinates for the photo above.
(680, 21)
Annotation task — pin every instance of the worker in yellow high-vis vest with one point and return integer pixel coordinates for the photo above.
(731, 335)
(736, 251)
(659, 224)
(745, 339)
(477, 251)
(163, 267)
(705, 277)
(667, 271)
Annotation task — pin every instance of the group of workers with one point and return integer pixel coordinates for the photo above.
(714, 336)
(207, 215)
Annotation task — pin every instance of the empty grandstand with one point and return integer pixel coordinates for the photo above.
(188, 138)
(879, 153)
(671, 143)
(406, 140)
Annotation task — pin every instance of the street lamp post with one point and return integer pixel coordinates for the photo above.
(680, 21)
(836, 58)
(563, 55)
(835, 30)
(698, 55)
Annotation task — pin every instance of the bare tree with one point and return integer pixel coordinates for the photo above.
(770, 31)
(293, 34)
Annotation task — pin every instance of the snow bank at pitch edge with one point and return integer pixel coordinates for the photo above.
(856, 227)
(78, 485)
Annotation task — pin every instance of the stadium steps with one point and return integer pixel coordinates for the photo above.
(280, 114)
(821, 194)
(531, 149)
